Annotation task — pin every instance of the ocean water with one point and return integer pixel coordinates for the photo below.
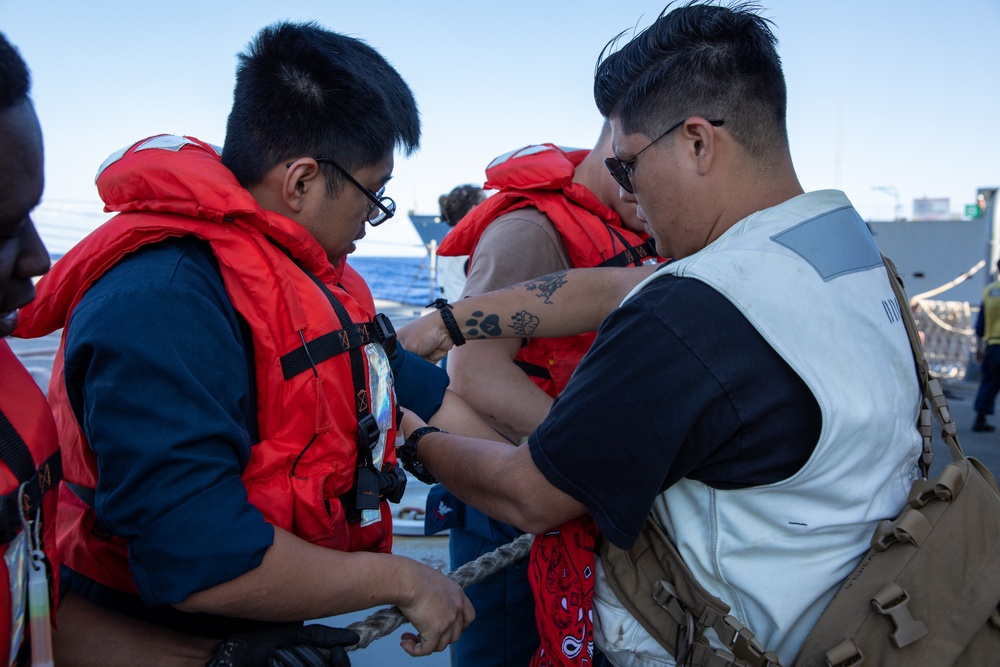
(403, 279)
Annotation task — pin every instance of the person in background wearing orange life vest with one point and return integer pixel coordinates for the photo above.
(555, 209)
(224, 388)
(31, 468)
(451, 270)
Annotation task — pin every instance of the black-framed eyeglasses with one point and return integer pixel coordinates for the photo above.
(381, 208)
(621, 170)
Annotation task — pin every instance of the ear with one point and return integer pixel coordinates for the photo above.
(704, 138)
(300, 180)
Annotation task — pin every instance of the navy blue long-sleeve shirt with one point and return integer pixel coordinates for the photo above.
(159, 372)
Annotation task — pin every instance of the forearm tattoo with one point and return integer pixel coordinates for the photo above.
(524, 323)
(480, 325)
(546, 286)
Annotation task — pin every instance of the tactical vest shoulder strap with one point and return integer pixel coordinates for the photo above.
(659, 590)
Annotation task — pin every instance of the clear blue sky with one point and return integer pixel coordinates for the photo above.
(897, 93)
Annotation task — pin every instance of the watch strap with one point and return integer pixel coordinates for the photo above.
(408, 454)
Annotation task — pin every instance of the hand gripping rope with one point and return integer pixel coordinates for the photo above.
(384, 621)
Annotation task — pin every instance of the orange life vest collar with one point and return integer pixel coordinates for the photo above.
(542, 177)
(268, 265)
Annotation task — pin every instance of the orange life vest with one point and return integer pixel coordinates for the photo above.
(562, 562)
(542, 177)
(29, 468)
(302, 473)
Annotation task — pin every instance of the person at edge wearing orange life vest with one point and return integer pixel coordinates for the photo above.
(29, 443)
(556, 208)
(224, 389)
(730, 449)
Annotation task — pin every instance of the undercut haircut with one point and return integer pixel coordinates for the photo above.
(708, 60)
(304, 91)
(15, 81)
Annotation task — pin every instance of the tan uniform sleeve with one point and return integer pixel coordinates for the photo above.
(515, 247)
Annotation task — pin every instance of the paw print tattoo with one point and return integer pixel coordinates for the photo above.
(488, 325)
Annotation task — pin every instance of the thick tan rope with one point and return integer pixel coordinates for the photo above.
(384, 621)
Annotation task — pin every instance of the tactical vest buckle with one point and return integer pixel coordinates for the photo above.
(892, 601)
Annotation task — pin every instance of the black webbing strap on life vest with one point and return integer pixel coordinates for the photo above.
(533, 370)
(331, 344)
(631, 255)
(32, 482)
(370, 483)
(88, 497)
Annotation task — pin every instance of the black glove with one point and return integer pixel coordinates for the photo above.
(285, 645)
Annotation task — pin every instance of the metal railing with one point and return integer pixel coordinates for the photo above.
(949, 336)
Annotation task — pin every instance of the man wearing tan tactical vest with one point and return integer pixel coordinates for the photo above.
(736, 388)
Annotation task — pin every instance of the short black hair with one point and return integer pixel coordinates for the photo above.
(15, 81)
(302, 90)
(456, 204)
(697, 59)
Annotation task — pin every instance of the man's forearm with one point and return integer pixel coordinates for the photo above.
(457, 416)
(299, 581)
(565, 303)
(486, 376)
(559, 304)
(498, 480)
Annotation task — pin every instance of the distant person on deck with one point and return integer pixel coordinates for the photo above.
(735, 388)
(225, 393)
(555, 209)
(451, 271)
(988, 354)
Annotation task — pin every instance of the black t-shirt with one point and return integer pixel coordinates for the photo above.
(678, 384)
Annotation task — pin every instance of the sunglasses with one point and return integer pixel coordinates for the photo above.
(621, 170)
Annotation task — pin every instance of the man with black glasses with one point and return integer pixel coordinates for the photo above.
(225, 394)
(755, 398)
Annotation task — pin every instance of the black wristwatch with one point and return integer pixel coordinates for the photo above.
(407, 453)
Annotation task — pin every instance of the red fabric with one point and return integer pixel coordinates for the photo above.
(562, 563)
(542, 177)
(561, 571)
(25, 407)
(169, 192)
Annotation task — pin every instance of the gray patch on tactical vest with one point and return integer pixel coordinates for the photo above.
(835, 243)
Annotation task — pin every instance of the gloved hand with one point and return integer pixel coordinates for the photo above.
(285, 645)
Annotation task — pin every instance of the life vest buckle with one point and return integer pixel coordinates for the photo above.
(392, 484)
(385, 333)
(368, 433)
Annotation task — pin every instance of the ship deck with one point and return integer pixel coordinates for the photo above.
(408, 539)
